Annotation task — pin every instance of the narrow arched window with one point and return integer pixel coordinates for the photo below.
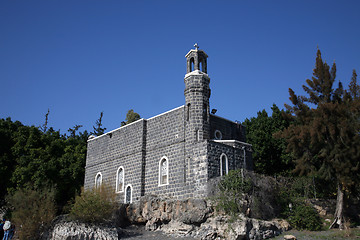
(192, 64)
(120, 179)
(223, 165)
(188, 112)
(205, 112)
(128, 194)
(98, 180)
(163, 171)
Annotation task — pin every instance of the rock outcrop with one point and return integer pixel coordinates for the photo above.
(187, 218)
(196, 218)
(62, 229)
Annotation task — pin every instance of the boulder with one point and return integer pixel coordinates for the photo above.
(289, 237)
(71, 230)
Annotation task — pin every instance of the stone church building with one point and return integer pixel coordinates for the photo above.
(174, 154)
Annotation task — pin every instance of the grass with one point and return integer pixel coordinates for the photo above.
(334, 234)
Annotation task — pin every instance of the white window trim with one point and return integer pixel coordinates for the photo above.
(226, 164)
(131, 198)
(167, 171)
(117, 180)
(96, 176)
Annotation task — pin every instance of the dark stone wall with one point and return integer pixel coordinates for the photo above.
(229, 129)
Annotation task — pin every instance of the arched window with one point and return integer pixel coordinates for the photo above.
(163, 171)
(120, 179)
(188, 112)
(205, 112)
(192, 64)
(128, 194)
(98, 180)
(224, 169)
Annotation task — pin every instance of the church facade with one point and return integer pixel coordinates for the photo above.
(174, 154)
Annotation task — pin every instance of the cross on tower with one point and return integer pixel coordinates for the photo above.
(196, 46)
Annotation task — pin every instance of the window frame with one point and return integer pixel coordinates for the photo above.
(226, 164)
(160, 172)
(125, 192)
(96, 176)
(117, 180)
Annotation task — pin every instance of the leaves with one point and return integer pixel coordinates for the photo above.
(269, 152)
(40, 159)
(324, 136)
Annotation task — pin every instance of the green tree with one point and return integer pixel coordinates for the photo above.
(131, 116)
(324, 135)
(7, 163)
(33, 158)
(98, 128)
(270, 156)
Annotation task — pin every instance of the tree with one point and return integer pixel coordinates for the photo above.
(131, 116)
(270, 156)
(7, 163)
(32, 158)
(73, 130)
(324, 136)
(45, 125)
(98, 129)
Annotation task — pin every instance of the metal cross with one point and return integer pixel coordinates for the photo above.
(196, 46)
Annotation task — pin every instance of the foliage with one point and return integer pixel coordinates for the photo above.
(33, 210)
(324, 134)
(232, 189)
(291, 196)
(30, 157)
(7, 163)
(302, 216)
(131, 116)
(94, 206)
(270, 156)
(98, 127)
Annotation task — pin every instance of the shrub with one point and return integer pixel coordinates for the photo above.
(304, 217)
(32, 211)
(232, 188)
(94, 206)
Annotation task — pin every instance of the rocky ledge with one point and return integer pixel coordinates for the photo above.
(186, 218)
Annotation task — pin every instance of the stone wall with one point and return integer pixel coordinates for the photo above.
(121, 147)
(229, 129)
(234, 154)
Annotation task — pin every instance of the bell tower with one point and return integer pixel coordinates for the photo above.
(197, 94)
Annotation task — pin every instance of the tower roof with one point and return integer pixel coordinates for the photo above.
(196, 50)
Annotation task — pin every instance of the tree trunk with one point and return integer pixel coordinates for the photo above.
(339, 212)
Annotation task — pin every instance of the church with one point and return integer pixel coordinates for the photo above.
(174, 154)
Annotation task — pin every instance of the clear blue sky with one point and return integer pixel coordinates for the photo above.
(79, 58)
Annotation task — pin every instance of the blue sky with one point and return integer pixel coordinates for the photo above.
(78, 58)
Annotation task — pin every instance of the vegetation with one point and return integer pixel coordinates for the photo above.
(265, 197)
(324, 135)
(131, 116)
(98, 127)
(32, 211)
(270, 156)
(302, 216)
(233, 187)
(94, 206)
(34, 158)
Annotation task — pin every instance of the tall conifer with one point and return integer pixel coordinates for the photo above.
(324, 136)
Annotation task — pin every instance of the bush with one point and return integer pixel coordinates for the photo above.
(233, 188)
(32, 211)
(304, 217)
(94, 206)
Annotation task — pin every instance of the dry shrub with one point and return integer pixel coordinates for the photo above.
(95, 205)
(32, 211)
